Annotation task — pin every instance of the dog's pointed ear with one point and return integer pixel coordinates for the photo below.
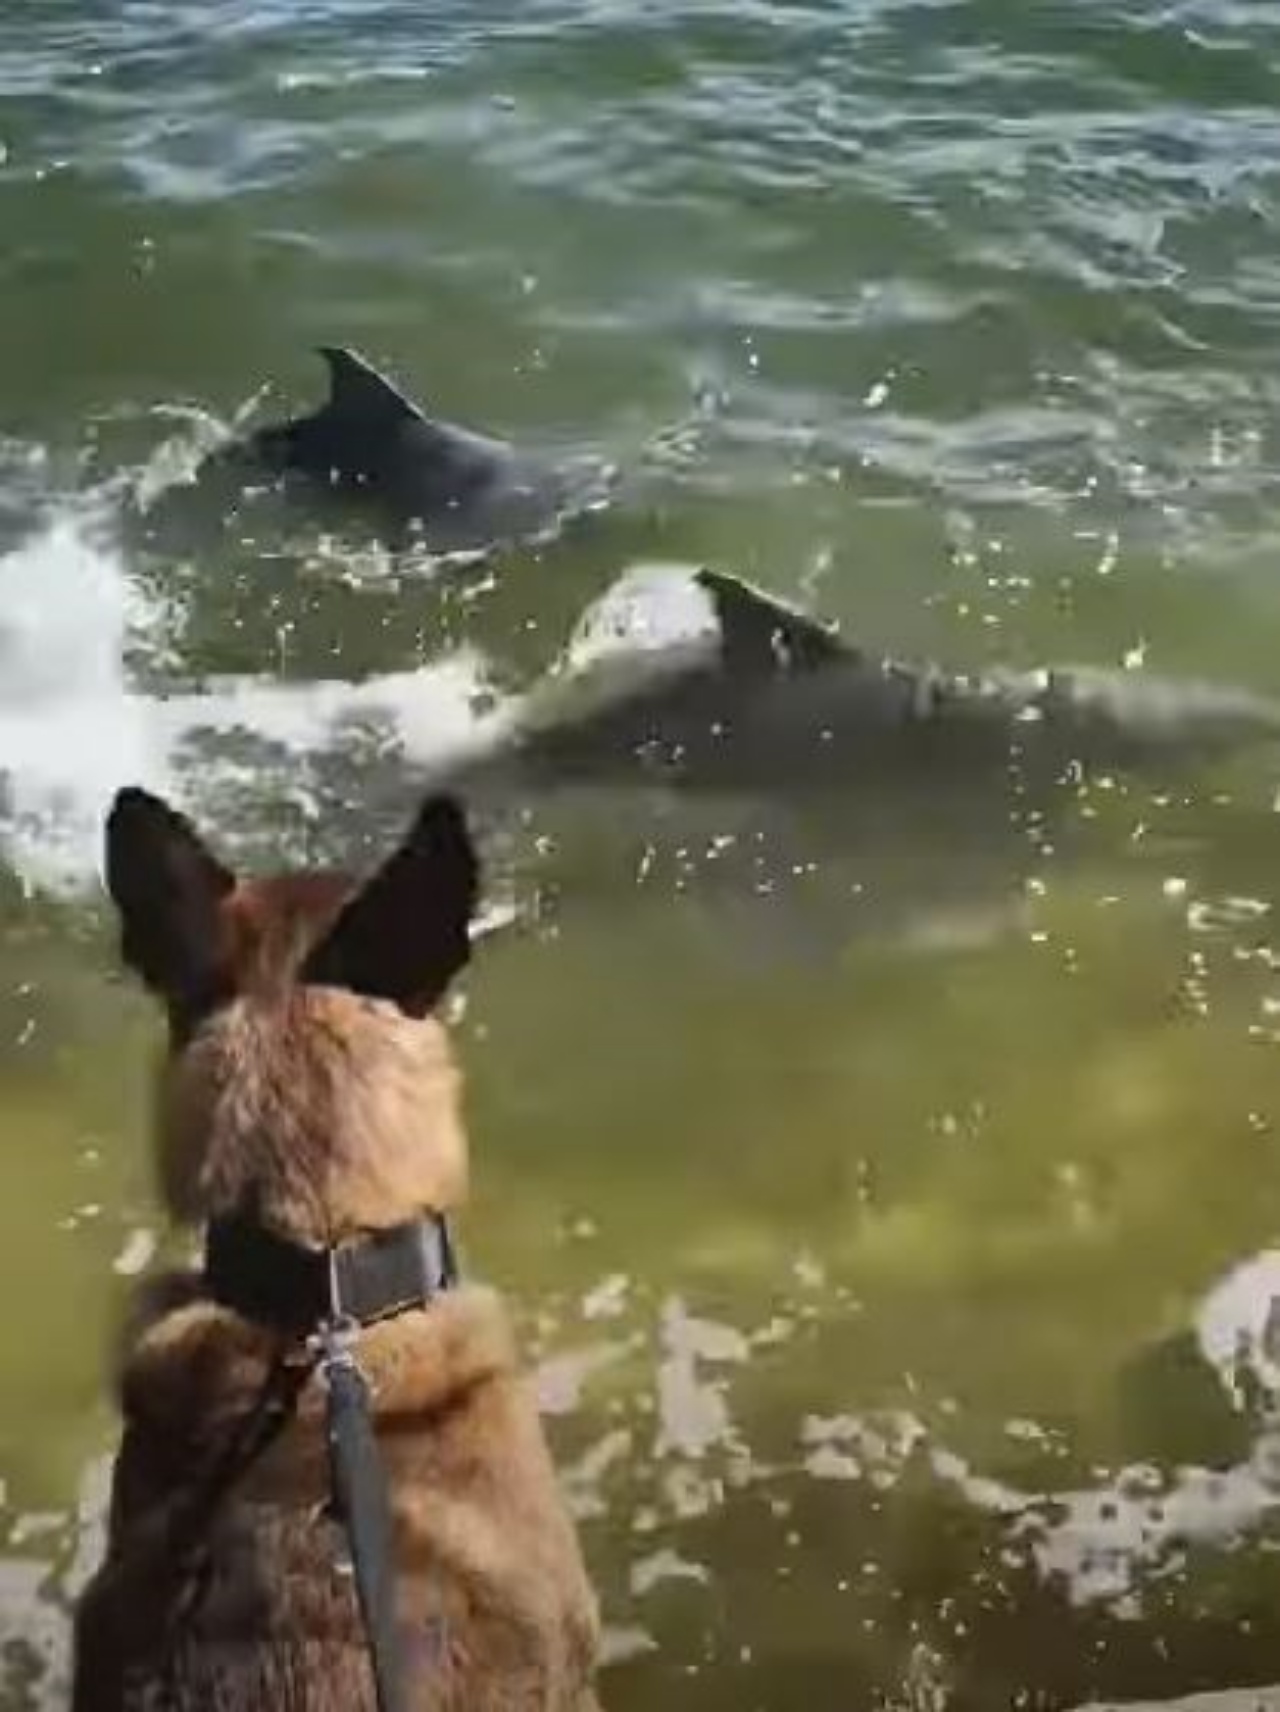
(167, 888)
(404, 935)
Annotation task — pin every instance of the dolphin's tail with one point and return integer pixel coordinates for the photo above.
(1157, 713)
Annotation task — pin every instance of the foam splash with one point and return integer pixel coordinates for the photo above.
(175, 461)
(654, 617)
(71, 729)
(652, 608)
(75, 726)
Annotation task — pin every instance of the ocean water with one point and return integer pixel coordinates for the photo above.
(888, 1192)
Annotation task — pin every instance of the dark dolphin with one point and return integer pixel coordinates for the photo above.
(706, 739)
(768, 698)
(415, 477)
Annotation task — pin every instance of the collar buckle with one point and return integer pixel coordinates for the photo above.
(283, 1284)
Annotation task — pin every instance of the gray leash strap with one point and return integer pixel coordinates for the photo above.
(363, 1507)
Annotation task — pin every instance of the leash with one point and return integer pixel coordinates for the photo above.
(361, 1501)
(363, 1507)
(327, 1296)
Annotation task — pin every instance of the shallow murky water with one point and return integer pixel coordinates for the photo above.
(887, 1182)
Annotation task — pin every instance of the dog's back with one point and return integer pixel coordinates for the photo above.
(310, 1090)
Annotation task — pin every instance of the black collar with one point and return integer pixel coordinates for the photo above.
(282, 1284)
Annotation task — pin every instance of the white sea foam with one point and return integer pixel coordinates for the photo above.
(75, 724)
(71, 729)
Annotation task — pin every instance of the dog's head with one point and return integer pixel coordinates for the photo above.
(308, 1081)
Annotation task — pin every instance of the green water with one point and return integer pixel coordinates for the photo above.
(884, 1207)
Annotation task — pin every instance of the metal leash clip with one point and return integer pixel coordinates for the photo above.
(333, 1346)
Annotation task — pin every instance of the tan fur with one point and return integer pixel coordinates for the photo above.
(328, 1114)
(340, 1112)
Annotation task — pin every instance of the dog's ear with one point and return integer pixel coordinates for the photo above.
(403, 936)
(167, 888)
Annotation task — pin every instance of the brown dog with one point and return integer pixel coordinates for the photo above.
(310, 1098)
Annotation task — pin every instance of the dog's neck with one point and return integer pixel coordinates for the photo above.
(288, 1287)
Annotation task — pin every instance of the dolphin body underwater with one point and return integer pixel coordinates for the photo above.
(416, 478)
(766, 698)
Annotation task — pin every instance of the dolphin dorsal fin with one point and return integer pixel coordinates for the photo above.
(761, 634)
(356, 389)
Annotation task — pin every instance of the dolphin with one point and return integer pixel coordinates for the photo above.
(707, 739)
(413, 475)
(766, 697)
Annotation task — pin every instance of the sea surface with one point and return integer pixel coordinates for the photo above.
(889, 1195)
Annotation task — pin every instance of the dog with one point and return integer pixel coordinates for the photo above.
(309, 1107)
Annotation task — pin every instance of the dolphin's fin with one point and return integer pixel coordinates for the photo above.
(358, 391)
(759, 633)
